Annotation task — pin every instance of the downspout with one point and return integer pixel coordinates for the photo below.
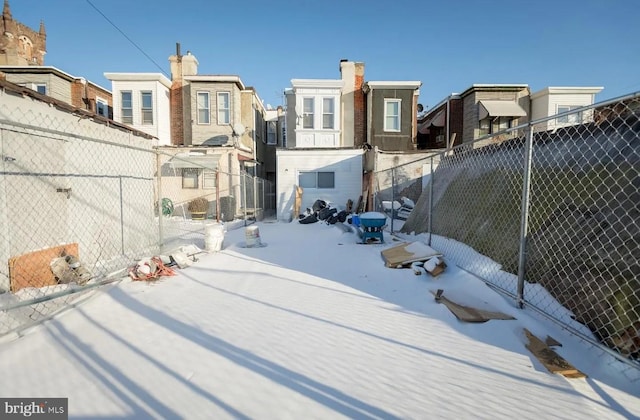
(448, 120)
(255, 161)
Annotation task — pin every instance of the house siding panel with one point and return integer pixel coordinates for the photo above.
(347, 165)
(212, 133)
(57, 87)
(399, 141)
(161, 121)
(471, 123)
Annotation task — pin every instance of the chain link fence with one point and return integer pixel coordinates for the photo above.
(549, 214)
(397, 186)
(83, 199)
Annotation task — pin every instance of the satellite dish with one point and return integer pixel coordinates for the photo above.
(238, 129)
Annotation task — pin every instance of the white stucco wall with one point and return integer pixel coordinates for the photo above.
(346, 163)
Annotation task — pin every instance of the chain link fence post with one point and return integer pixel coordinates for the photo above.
(524, 217)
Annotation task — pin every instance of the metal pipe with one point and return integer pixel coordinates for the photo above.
(160, 209)
(524, 219)
(448, 119)
(121, 218)
(217, 195)
(430, 201)
(66, 292)
(393, 195)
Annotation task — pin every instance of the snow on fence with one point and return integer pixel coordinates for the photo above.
(81, 202)
(554, 203)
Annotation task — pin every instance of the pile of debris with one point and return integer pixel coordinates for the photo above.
(399, 209)
(149, 269)
(323, 211)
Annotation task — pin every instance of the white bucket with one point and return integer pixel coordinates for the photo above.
(252, 236)
(213, 237)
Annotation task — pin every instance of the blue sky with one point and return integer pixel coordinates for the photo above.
(448, 46)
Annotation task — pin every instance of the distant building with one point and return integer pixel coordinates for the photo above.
(141, 100)
(558, 100)
(57, 84)
(19, 44)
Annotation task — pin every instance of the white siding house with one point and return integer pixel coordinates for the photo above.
(317, 111)
(141, 100)
(556, 100)
(333, 175)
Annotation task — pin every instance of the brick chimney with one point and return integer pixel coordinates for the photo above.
(352, 103)
(359, 107)
(181, 65)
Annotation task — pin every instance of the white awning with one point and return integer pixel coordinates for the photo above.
(186, 160)
(500, 109)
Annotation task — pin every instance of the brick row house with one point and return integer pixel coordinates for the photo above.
(211, 130)
(487, 109)
(329, 130)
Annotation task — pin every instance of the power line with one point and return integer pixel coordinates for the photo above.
(128, 39)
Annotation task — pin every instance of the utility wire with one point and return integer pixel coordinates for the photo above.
(128, 39)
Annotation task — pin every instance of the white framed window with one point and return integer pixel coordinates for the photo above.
(147, 107)
(102, 107)
(575, 118)
(203, 101)
(208, 179)
(317, 179)
(190, 178)
(126, 107)
(272, 128)
(307, 112)
(491, 125)
(328, 113)
(224, 108)
(392, 114)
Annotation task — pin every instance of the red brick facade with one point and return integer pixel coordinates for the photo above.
(19, 44)
(84, 95)
(359, 108)
(177, 112)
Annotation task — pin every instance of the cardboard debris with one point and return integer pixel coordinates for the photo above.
(467, 313)
(403, 255)
(434, 266)
(550, 359)
(33, 269)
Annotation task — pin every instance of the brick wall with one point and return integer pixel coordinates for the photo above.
(77, 94)
(177, 112)
(84, 95)
(359, 108)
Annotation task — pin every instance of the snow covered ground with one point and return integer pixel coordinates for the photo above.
(313, 326)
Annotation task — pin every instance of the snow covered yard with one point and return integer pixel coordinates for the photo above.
(310, 326)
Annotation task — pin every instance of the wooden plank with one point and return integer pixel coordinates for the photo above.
(467, 313)
(406, 253)
(550, 359)
(33, 269)
(552, 342)
(297, 202)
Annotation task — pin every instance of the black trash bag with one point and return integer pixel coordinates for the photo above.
(319, 205)
(308, 220)
(326, 212)
(342, 216)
